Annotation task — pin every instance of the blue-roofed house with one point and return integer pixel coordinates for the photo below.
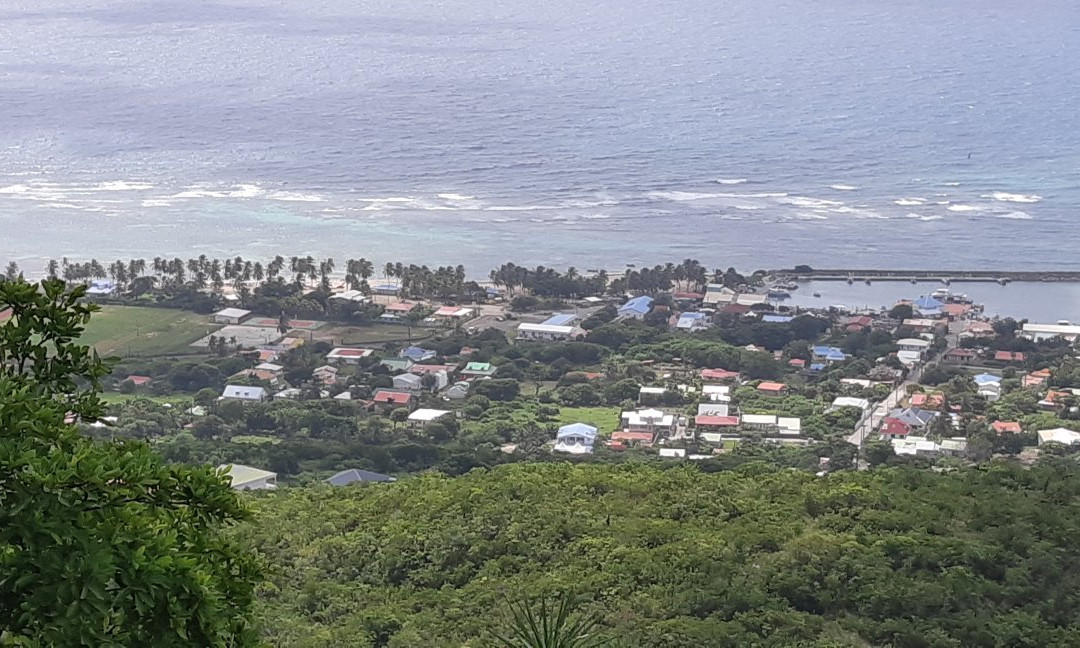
(417, 354)
(827, 354)
(692, 322)
(575, 438)
(986, 379)
(929, 307)
(637, 308)
(817, 366)
(385, 289)
(776, 319)
(354, 475)
(560, 319)
(100, 288)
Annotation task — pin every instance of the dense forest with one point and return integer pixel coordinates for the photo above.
(755, 556)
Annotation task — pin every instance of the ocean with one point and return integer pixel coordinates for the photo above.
(905, 134)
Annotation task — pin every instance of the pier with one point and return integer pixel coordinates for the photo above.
(915, 276)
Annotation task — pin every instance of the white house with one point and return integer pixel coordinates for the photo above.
(913, 344)
(424, 416)
(648, 420)
(547, 332)
(636, 308)
(1059, 435)
(692, 322)
(354, 296)
(247, 478)
(325, 374)
(673, 453)
(651, 395)
(764, 422)
(717, 393)
(713, 409)
(231, 315)
(244, 393)
(849, 401)
(1038, 332)
(345, 355)
(457, 391)
(576, 438)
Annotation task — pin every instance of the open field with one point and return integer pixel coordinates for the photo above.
(141, 331)
(606, 419)
(176, 400)
(375, 334)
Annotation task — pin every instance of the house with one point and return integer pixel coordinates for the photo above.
(651, 395)
(397, 364)
(354, 475)
(928, 307)
(924, 325)
(345, 395)
(560, 319)
(424, 416)
(244, 393)
(915, 446)
(856, 324)
(718, 375)
(267, 355)
(827, 354)
(527, 331)
(139, 381)
(346, 355)
(417, 354)
(474, 370)
(231, 316)
(243, 478)
(913, 344)
(648, 421)
(734, 309)
(797, 362)
(575, 438)
(1039, 332)
(900, 423)
(692, 322)
(409, 382)
(715, 423)
(390, 400)
(454, 313)
(1006, 427)
(762, 422)
(270, 368)
(457, 391)
(776, 319)
(717, 393)
(990, 391)
(272, 377)
(956, 311)
(909, 358)
(817, 366)
(1054, 400)
(1010, 356)
(326, 374)
(789, 426)
(1036, 378)
(351, 296)
(713, 409)
(401, 308)
(718, 294)
(1059, 435)
(292, 393)
(977, 330)
(960, 356)
(624, 438)
(932, 401)
(100, 288)
(849, 401)
(442, 373)
(636, 308)
(672, 453)
(772, 388)
(385, 290)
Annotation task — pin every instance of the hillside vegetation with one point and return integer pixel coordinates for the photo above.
(751, 557)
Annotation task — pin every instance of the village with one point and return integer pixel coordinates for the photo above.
(714, 371)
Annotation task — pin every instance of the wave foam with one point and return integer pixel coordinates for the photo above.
(1016, 215)
(291, 196)
(732, 181)
(963, 208)
(843, 187)
(909, 202)
(1002, 196)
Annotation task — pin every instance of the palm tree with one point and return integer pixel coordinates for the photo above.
(53, 268)
(552, 626)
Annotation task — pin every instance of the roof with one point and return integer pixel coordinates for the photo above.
(409, 378)
(387, 396)
(346, 352)
(560, 319)
(912, 416)
(691, 320)
(269, 366)
(243, 392)
(640, 304)
(139, 380)
(771, 386)
(232, 312)
(920, 322)
(961, 353)
(453, 311)
(577, 429)
(1059, 435)
(789, 424)
(713, 409)
(817, 366)
(672, 452)
(401, 307)
(850, 401)
(624, 435)
(652, 390)
(240, 474)
(350, 295)
(1052, 329)
(776, 319)
(430, 368)
(425, 415)
(720, 421)
(1006, 426)
(353, 475)
(928, 303)
(416, 353)
(914, 342)
(1010, 356)
(718, 374)
(984, 378)
(759, 419)
(548, 328)
(797, 362)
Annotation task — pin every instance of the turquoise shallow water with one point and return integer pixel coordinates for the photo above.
(754, 134)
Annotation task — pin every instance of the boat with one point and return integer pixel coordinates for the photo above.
(778, 292)
(868, 282)
(817, 294)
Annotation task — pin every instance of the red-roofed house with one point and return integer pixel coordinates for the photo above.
(421, 369)
(623, 438)
(139, 381)
(893, 428)
(735, 309)
(709, 423)
(389, 400)
(267, 355)
(718, 375)
(797, 362)
(956, 310)
(772, 388)
(1053, 400)
(401, 307)
(1003, 427)
(856, 324)
(1010, 356)
(932, 401)
(454, 312)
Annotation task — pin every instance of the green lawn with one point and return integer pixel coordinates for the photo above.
(141, 331)
(174, 399)
(374, 334)
(606, 419)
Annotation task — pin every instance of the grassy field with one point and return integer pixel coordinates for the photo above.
(136, 330)
(174, 400)
(606, 419)
(374, 334)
